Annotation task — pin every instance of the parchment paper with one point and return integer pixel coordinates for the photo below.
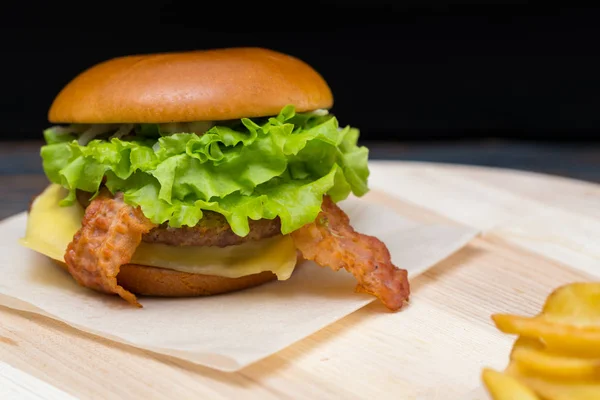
(226, 332)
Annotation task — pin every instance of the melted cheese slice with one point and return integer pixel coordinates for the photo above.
(50, 228)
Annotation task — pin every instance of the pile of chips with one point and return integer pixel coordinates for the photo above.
(557, 353)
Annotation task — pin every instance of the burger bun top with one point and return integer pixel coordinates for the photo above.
(204, 85)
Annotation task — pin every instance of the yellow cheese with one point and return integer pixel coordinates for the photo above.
(50, 228)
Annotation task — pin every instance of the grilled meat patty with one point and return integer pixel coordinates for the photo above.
(212, 230)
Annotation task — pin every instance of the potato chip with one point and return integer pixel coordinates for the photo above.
(553, 365)
(528, 343)
(504, 387)
(555, 389)
(576, 304)
(556, 336)
(557, 353)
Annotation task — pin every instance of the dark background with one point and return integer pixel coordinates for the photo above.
(508, 84)
(421, 70)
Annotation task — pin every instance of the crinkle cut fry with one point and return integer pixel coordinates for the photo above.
(110, 233)
(331, 241)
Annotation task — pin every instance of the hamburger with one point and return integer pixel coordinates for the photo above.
(201, 173)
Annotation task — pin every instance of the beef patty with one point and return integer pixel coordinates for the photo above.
(212, 230)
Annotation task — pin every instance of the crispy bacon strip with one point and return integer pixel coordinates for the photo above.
(331, 241)
(111, 231)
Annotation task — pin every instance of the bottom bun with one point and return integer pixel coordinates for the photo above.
(153, 281)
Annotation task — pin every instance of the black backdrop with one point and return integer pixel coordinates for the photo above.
(422, 70)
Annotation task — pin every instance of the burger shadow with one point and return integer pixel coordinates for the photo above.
(253, 374)
(245, 378)
(48, 274)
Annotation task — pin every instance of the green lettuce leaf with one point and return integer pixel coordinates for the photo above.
(247, 169)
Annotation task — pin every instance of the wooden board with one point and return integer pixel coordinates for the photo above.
(538, 232)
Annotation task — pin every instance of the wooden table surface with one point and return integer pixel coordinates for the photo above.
(538, 232)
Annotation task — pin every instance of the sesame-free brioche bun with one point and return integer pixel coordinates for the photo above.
(204, 85)
(151, 281)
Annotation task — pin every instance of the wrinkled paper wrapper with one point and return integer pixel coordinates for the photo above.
(226, 332)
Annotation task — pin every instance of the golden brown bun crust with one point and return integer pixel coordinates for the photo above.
(151, 281)
(206, 85)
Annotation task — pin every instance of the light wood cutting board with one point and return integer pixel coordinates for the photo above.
(539, 232)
